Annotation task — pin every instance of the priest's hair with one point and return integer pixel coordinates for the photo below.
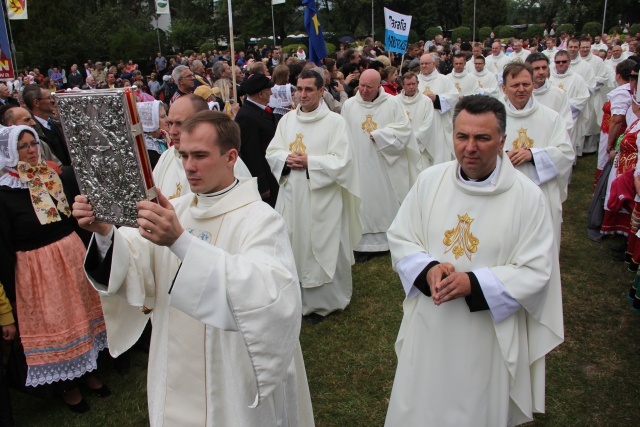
(515, 68)
(482, 104)
(228, 131)
(535, 57)
(318, 79)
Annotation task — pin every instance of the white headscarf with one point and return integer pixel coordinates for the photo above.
(149, 113)
(9, 154)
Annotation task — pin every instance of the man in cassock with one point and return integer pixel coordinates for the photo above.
(578, 91)
(537, 143)
(444, 96)
(497, 60)
(388, 159)
(474, 248)
(311, 157)
(420, 112)
(169, 175)
(216, 272)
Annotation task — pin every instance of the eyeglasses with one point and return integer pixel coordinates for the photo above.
(29, 145)
(45, 98)
(562, 62)
(190, 76)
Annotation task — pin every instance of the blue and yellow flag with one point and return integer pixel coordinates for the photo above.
(317, 48)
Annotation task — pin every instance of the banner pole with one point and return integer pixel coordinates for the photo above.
(233, 52)
(12, 46)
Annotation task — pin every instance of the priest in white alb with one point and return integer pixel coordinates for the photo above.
(603, 85)
(420, 112)
(168, 175)
(546, 93)
(578, 92)
(444, 96)
(476, 50)
(387, 156)
(487, 81)
(519, 54)
(311, 157)
(474, 248)
(537, 143)
(551, 49)
(463, 81)
(215, 272)
(496, 62)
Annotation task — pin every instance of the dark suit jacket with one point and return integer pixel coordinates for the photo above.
(257, 128)
(55, 139)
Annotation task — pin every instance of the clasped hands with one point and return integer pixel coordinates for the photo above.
(157, 222)
(520, 156)
(297, 161)
(446, 284)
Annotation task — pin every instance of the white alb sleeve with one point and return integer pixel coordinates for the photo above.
(500, 301)
(408, 269)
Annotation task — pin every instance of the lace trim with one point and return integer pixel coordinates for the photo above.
(69, 369)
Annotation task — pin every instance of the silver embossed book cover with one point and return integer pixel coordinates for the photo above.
(107, 149)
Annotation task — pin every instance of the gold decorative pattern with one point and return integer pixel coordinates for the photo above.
(297, 146)
(460, 238)
(480, 84)
(522, 141)
(178, 191)
(427, 91)
(458, 87)
(561, 86)
(369, 125)
(409, 117)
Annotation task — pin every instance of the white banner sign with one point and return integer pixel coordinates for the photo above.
(396, 35)
(17, 9)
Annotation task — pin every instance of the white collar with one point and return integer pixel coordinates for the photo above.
(43, 123)
(490, 181)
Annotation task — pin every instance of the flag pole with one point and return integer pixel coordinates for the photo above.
(233, 52)
(12, 46)
(273, 23)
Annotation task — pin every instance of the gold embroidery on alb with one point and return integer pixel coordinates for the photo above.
(178, 191)
(297, 146)
(409, 116)
(427, 91)
(460, 238)
(561, 86)
(522, 141)
(458, 87)
(480, 84)
(369, 125)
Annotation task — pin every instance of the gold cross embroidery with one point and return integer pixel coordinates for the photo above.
(460, 238)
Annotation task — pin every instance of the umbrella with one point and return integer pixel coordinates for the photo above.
(347, 39)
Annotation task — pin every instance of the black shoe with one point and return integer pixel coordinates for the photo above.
(80, 407)
(363, 257)
(103, 391)
(314, 318)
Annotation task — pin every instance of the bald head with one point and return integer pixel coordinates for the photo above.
(369, 85)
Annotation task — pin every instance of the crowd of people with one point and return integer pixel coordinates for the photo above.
(272, 188)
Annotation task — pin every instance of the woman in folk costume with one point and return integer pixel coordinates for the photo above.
(59, 314)
(617, 217)
(156, 129)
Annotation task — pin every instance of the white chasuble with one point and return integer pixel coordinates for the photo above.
(170, 178)
(460, 368)
(519, 57)
(579, 96)
(495, 64)
(488, 83)
(387, 166)
(420, 112)
(226, 318)
(464, 83)
(543, 131)
(437, 84)
(321, 210)
(604, 84)
(556, 99)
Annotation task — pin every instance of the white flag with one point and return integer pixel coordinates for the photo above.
(162, 7)
(17, 9)
(274, 2)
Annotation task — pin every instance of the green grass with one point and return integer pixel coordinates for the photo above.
(592, 378)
